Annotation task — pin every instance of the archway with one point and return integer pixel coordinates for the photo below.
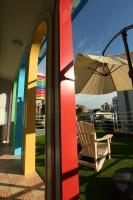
(29, 140)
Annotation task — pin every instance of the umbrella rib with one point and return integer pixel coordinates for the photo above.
(103, 68)
(112, 80)
(101, 74)
(117, 59)
(96, 72)
(111, 68)
(116, 69)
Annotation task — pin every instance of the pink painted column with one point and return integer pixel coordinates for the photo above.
(9, 118)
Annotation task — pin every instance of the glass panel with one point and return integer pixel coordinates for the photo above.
(94, 26)
(41, 110)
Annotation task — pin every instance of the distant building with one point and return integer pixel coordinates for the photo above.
(123, 106)
(115, 104)
(125, 101)
(106, 107)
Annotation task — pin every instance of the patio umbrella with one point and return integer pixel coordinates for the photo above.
(101, 74)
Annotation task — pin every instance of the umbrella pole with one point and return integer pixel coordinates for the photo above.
(124, 37)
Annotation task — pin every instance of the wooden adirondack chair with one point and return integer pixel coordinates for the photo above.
(91, 146)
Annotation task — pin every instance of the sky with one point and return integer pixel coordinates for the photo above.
(42, 66)
(93, 28)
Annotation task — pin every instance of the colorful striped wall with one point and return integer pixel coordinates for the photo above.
(41, 87)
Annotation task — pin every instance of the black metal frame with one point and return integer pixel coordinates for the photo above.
(123, 33)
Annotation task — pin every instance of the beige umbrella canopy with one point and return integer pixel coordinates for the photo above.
(101, 74)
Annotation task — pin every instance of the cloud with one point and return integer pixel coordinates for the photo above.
(91, 45)
(92, 50)
(41, 74)
(82, 43)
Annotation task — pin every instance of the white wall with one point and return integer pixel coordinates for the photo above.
(5, 87)
(125, 108)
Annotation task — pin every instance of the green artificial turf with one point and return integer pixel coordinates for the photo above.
(95, 186)
(40, 156)
(98, 186)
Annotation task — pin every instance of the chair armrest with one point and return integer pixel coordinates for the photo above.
(106, 137)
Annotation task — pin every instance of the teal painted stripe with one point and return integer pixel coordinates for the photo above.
(19, 127)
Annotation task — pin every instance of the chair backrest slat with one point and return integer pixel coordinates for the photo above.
(87, 136)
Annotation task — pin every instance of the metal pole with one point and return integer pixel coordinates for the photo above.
(124, 37)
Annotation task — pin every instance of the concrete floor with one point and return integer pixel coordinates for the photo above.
(14, 185)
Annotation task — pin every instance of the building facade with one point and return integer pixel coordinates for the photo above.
(123, 109)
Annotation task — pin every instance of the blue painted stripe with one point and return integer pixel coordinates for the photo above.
(19, 128)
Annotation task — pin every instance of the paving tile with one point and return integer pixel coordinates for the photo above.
(40, 197)
(4, 178)
(17, 180)
(34, 181)
(15, 190)
(24, 195)
(15, 186)
(5, 192)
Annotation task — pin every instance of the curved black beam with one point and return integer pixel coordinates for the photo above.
(123, 33)
(119, 33)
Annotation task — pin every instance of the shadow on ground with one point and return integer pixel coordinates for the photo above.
(98, 186)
